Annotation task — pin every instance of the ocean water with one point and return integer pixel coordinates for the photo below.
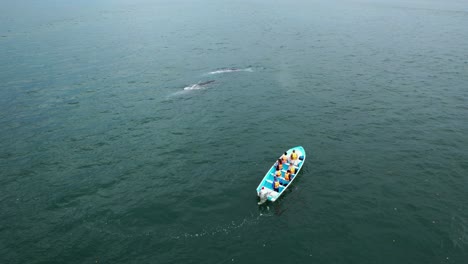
(106, 158)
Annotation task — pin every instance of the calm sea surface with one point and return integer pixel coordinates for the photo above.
(105, 158)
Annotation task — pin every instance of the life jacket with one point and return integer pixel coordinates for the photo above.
(276, 185)
(292, 169)
(286, 176)
(294, 156)
(278, 173)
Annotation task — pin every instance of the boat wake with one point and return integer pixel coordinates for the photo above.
(223, 229)
(228, 70)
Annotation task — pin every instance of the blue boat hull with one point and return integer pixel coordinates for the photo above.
(269, 178)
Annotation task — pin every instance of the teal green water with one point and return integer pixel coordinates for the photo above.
(105, 158)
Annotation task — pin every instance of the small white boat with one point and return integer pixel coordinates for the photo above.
(268, 192)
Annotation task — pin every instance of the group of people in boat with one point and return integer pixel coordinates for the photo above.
(291, 171)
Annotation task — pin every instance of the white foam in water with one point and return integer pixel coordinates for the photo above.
(193, 87)
(187, 89)
(199, 85)
(225, 229)
(226, 70)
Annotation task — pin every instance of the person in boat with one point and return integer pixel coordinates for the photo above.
(292, 169)
(276, 185)
(293, 158)
(284, 158)
(287, 175)
(293, 155)
(278, 172)
(279, 164)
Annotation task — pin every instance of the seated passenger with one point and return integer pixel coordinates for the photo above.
(279, 164)
(278, 172)
(287, 176)
(293, 156)
(284, 158)
(292, 169)
(276, 185)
